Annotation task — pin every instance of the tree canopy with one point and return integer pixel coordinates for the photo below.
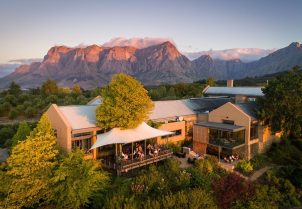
(49, 87)
(282, 102)
(21, 134)
(29, 167)
(76, 179)
(126, 103)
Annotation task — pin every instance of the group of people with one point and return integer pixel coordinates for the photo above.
(153, 150)
(231, 158)
(138, 153)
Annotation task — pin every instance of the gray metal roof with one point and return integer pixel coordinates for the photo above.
(207, 104)
(249, 108)
(83, 116)
(95, 101)
(246, 91)
(221, 126)
(79, 116)
(171, 108)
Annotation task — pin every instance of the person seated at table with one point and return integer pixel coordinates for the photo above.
(140, 148)
(155, 152)
(150, 153)
(150, 147)
(142, 156)
(124, 156)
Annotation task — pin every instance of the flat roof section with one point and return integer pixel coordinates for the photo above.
(245, 91)
(221, 126)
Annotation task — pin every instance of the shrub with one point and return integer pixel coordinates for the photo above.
(6, 133)
(13, 114)
(229, 189)
(244, 166)
(30, 112)
(259, 161)
(174, 147)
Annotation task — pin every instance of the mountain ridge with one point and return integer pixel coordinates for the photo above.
(157, 64)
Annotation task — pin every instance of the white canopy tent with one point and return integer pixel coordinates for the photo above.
(119, 136)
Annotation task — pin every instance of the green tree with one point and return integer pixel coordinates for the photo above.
(281, 104)
(30, 166)
(126, 103)
(21, 134)
(76, 180)
(30, 112)
(13, 114)
(49, 87)
(5, 134)
(43, 127)
(14, 89)
(76, 89)
(210, 81)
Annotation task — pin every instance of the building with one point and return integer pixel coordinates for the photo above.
(222, 122)
(233, 128)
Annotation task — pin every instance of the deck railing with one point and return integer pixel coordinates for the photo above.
(130, 164)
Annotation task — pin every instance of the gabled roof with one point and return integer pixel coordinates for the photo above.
(95, 101)
(171, 108)
(249, 108)
(83, 116)
(232, 91)
(79, 116)
(207, 104)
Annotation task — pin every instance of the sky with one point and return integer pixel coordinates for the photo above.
(28, 28)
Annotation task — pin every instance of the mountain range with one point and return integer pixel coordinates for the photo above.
(94, 65)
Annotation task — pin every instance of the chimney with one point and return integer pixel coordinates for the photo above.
(230, 83)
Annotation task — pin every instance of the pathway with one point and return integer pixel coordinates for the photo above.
(259, 173)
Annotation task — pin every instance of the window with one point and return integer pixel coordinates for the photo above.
(84, 144)
(251, 99)
(231, 122)
(81, 134)
(177, 132)
(254, 131)
(226, 138)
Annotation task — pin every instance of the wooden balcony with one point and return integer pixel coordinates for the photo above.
(130, 164)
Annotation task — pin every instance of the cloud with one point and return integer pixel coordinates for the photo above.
(136, 42)
(25, 61)
(244, 54)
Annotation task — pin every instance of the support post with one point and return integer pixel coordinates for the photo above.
(145, 148)
(132, 150)
(219, 150)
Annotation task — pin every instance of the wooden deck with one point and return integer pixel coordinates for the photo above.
(136, 163)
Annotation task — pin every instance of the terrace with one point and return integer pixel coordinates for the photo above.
(124, 150)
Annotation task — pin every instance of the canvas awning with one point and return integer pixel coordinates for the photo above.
(119, 136)
(221, 126)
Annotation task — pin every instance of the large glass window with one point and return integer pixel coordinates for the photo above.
(81, 134)
(254, 131)
(84, 144)
(226, 138)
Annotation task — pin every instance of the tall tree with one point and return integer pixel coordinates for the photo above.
(282, 102)
(30, 166)
(21, 134)
(76, 89)
(76, 180)
(126, 103)
(210, 81)
(43, 127)
(49, 87)
(14, 89)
